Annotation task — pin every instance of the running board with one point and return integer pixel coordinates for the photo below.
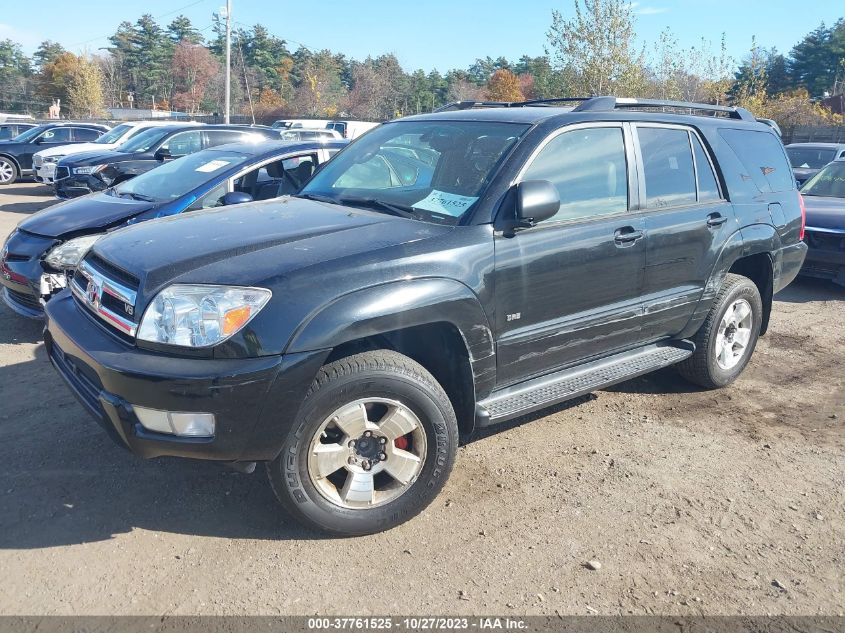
(551, 389)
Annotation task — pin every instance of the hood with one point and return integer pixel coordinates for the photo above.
(87, 214)
(278, 236)
(825, 213)
(77, 148)
(96, 157)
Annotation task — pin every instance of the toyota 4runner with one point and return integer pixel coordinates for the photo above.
(445, 272)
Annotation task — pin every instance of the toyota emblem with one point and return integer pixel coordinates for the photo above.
(92, 293)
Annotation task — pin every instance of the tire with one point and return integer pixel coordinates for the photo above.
(8, 171)
(719, 356)
(393, 393)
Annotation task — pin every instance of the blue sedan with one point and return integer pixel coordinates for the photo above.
(41, 253)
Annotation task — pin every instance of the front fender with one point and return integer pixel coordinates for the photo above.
(397, 305)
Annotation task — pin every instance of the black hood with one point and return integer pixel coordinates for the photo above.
(88, 214)
(825, 213)
(94, 157)
(278, 236)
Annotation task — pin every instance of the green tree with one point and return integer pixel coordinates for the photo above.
(818, 60)
(15, 78)
(46, 52)
(182, 30)
(596, 48)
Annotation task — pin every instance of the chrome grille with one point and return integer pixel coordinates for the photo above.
(107, 298)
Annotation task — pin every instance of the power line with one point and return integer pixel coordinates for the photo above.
(155, 17)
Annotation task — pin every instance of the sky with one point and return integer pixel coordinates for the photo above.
(427, 34)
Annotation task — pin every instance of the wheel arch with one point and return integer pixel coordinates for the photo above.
(14, 161)
(437, 322)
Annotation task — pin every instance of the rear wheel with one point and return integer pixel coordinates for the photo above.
(8, 171)
(375, 443)
(728, 336)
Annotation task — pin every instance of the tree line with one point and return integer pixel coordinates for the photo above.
(592, 49)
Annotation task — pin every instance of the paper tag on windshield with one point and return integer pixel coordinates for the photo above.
(212, 165)
(448, 203)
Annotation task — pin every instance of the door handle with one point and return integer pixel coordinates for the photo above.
(626, 235)
(716, 219)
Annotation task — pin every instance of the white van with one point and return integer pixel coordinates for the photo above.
(351, 129)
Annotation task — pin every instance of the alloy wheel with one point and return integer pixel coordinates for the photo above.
(734, 334)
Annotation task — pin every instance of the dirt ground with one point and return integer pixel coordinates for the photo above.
(693, 502)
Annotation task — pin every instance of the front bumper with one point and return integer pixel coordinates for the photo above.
(826, 256)
(45, 173)
(255, 401)
(21, 272)
(67, 185)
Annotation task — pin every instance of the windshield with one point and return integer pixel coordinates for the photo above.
(114, 134)
(431, 170)
(829, 182)
(175, 178)
(143, 141)
(808, 158)
(29, 134)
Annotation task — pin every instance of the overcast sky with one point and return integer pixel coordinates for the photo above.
(426, 34)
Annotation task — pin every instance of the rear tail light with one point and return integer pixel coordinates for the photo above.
(803, 216)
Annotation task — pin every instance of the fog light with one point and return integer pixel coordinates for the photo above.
(182, 424)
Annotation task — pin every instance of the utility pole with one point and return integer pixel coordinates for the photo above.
(228, 59)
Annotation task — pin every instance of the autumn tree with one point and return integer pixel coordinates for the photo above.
(504, 86)
(85, 89)
(596, 48)
(193, 68)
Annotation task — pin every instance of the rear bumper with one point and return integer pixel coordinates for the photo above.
(787, 262)
(254, 400)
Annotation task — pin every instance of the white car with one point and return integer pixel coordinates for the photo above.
(44, 162)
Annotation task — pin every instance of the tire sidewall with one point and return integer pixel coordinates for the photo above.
(289, 472)
(748, 291)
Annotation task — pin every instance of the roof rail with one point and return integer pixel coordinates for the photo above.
(605, 104)
(468, 105)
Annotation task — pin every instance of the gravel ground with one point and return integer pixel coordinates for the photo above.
(726, 502)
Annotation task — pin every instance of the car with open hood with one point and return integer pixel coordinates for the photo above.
(40, 255)
(443, 273)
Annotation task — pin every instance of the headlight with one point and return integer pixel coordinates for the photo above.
(52, 159)
(69, 254)
(92, 169)
(200, 316)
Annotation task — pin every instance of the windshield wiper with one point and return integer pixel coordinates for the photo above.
(316, 197)
(381, 205)
(137, 196)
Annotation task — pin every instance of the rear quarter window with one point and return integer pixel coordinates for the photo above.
(762, 154)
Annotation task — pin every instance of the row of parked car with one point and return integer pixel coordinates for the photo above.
(379, 300)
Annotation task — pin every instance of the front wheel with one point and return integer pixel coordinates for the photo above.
(375, 443)
(728, 336)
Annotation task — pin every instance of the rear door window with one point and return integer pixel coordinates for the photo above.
(85, 134)
(762, 154)
(56, 135)
(668, 167)
(184, 143)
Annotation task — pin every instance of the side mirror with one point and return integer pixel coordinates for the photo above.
(236, 197)
(536, 200)
(163, 154)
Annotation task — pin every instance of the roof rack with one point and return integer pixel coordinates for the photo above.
(607, 104)
(468, 105)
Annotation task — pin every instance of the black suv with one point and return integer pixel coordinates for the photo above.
(444, 272)
(80, 174)
(16, 154)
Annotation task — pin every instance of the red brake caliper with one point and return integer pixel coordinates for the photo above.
(401, 443)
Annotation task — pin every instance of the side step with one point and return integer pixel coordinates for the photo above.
(545, 391)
